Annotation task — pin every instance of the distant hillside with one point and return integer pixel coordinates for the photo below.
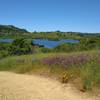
(10, 29)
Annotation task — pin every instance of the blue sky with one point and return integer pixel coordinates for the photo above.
(52, 15)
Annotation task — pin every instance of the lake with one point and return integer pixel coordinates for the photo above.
(51, 43)
(45, 42)
(6, 40)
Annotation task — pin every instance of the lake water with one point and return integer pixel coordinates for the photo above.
(45, 42)
(51, 43)
(6, 40)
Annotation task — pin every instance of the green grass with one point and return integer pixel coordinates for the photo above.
(88, 74)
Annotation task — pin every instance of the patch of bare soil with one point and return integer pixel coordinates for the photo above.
(30, 87)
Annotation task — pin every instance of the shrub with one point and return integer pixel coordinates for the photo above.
(46, 50)
(87, 85)
(20, 46)
(64, 77)
(66, 47)
(67, 60)
(3, 53)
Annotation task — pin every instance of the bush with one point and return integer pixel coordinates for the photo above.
(20, 46)
(64, 77)
(66, 47)
(46, 50)
(67, 61)
(3, 53)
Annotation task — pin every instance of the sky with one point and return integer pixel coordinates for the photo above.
(52, 15)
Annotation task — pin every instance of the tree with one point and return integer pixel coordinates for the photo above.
(20, 46)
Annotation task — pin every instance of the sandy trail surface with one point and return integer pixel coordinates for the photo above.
(30, 87)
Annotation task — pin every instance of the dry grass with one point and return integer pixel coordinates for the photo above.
(88, 73)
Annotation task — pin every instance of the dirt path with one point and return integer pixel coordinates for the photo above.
(27, 87)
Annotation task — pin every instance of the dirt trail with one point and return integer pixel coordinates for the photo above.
(29, 87)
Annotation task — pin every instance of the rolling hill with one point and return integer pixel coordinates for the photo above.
(10, 29)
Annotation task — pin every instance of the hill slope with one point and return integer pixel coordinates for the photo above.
(10, 29)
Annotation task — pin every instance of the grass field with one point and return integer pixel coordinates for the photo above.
(82, 68)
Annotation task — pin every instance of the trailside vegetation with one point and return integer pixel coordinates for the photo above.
(78, 63)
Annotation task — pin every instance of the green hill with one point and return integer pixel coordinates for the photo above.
(10, 29)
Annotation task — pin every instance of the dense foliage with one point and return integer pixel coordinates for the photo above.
(25, 46)
(20, 46)
(17, 47)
